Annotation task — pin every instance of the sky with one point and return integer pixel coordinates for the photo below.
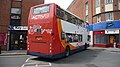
(62, 3)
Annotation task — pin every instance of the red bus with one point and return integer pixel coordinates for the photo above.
(54, 32)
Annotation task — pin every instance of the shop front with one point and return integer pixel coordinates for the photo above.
(106, 34)
(18, 38)
(103, 39)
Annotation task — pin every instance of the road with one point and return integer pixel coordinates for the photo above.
(89, 58)
(12, 60)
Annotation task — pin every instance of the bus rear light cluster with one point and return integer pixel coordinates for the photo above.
(50, 48)
(50, 44)
(50, 51)
(28, 48)
(27, 42)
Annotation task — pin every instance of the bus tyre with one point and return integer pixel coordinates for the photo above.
(67, 51)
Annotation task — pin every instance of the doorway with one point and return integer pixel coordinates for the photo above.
(18, 40)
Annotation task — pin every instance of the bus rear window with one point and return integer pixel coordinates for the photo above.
(41, 9)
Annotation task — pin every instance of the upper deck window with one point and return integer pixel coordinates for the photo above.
(41, 9)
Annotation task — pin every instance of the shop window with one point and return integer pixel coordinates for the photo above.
(101, 39)
(118, 37)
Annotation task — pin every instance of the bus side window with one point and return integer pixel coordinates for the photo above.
(63, 36)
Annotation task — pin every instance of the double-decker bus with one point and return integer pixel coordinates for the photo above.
(54, 32)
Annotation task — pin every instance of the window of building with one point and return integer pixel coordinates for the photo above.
(97, 3)
(109, 16)
(98, 18)
(86, 18)
(15, 16)
(16, 10)
(86, 6)
(108, 1)
(119, 4)
(15, 22)
(17, 0)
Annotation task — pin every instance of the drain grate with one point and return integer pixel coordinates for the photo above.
(91, 65)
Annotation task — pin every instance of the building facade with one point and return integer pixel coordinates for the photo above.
(97, 12)
(13, 22)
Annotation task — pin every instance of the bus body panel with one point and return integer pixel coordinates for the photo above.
(45, 34)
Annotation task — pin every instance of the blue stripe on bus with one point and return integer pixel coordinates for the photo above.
(52, 56)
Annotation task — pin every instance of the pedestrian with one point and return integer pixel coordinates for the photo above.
(0, 49)
(114, 43)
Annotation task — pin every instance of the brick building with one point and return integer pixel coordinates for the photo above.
(13, 21)
(102, 14)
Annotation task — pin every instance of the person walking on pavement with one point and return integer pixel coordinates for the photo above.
(114, 43)
(0, 49)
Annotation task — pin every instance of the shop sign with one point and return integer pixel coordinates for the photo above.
(112, 31)
(18, 28)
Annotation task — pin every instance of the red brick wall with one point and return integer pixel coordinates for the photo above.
(78, 8)
(4, 15)
(5, 6)
(26, 4)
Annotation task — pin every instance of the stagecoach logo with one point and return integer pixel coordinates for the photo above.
(42, 16)
(33, 29)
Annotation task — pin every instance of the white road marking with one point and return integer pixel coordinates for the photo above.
(44, 65)
(23, 65)
(25, 61)
(36, 65)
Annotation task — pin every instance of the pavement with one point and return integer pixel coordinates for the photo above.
(108, 49)
(13, 52)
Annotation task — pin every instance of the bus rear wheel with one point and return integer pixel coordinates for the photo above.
(67, 51)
